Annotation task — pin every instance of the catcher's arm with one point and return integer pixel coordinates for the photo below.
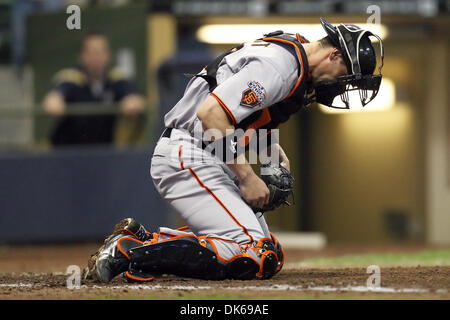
(253, 189)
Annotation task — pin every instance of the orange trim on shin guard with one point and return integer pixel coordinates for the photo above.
(123, 251)
(128, 275)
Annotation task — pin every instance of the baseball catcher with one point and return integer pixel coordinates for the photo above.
(199, 164)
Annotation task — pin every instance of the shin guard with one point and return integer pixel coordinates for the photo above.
(187, 257)
(183, 256)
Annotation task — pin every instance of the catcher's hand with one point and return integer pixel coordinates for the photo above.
(280, 183)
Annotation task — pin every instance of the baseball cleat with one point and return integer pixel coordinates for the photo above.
(111, 259)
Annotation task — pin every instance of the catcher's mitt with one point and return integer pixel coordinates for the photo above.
(280, 183)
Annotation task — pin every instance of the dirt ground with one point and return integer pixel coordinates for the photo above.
(38, 272)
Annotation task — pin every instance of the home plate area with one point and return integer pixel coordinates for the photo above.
(41, 272)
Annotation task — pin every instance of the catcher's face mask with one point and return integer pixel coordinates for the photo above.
(360, 58)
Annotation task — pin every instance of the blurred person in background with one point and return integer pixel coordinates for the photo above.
(94, 80)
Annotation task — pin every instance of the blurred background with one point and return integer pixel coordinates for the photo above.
(378, 176)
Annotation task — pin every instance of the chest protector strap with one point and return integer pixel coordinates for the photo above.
(293, 45)
(211, 68)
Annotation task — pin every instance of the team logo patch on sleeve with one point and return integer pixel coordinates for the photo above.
(254, 95)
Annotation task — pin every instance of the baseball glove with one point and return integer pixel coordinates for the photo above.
(280, 183)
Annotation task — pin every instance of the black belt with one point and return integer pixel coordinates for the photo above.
(166, 133)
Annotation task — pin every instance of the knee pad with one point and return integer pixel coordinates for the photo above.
(265, 248)
(242, 268)
(279, 252)
(264, 266)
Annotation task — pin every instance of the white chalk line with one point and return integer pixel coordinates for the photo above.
(278, 287)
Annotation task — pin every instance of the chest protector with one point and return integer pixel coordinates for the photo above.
(278, 113)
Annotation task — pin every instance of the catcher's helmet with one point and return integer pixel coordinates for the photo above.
(360, 58)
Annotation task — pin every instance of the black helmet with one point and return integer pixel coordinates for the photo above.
(360, 58)
(366, 55)
(351, 39)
